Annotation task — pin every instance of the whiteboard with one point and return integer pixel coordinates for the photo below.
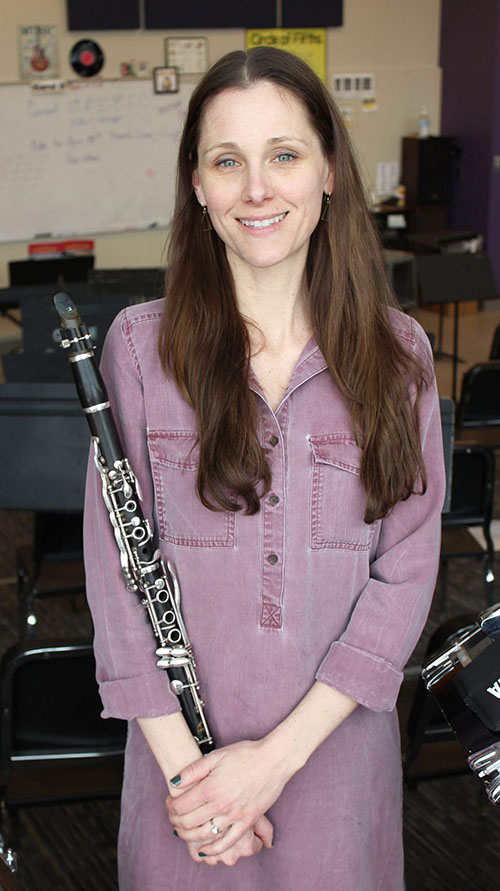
(97, 156)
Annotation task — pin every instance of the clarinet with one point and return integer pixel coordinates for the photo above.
(143, 568)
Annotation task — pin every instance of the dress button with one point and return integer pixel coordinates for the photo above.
(273, 499)
(272, 558)
(273, 440)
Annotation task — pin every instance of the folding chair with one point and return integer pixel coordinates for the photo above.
(478, 412)
(473, 478)
(54, 746)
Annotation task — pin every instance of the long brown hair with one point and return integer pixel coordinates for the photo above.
(204, 342)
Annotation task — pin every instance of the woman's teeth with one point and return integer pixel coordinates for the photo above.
(261, 224)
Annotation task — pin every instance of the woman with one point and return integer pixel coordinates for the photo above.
(286, 435)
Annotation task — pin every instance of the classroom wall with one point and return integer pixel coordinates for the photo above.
(395, 40)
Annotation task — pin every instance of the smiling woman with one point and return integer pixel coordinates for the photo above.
(287, 439)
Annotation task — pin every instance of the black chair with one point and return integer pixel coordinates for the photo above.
(495, 344)
(426, 725)
(54, 746)
(478, 412)
(473, 478)
(44, 440)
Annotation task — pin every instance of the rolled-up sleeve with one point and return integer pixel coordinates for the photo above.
(366, 662)
(129, 681)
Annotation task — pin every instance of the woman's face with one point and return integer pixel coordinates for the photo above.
(262, 174)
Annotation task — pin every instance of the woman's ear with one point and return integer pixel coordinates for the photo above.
(195, 179)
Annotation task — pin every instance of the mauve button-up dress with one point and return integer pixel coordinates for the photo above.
(303, 590)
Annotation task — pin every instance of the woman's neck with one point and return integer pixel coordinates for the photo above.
(272, 302)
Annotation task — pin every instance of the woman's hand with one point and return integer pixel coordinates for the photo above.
(230, 788)
(258, 836)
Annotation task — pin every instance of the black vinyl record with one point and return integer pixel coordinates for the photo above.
(86, 57)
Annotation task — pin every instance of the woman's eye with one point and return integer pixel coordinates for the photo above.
(226, 162)
(285, 156)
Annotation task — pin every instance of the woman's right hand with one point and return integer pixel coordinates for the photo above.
(257, 837)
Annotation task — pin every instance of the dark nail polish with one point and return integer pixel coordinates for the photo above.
(201, 854)
(176, 780)
(176, 833)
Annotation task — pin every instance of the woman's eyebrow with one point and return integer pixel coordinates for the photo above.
(232, 146)
(285, 138)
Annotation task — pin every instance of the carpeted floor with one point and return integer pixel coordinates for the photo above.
(452, 835)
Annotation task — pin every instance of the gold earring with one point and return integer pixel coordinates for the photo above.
(206, 225)
(327, 199)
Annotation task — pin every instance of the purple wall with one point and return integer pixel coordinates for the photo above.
(470, 41)
(494, 214)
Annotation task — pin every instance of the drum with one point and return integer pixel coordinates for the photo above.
(464, 676)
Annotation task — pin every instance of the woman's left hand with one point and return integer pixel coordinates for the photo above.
(230, 789)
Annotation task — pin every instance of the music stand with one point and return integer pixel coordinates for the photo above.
(45, 445)
(455, 278)
(138, 284)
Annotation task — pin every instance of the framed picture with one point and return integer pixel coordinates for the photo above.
(37, 51)
(166, 79)
(188, 54)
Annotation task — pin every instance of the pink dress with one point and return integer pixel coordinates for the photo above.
(344, 602)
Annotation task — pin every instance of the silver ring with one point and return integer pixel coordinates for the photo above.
(215, 829)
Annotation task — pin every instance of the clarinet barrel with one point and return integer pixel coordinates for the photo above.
(143, 568)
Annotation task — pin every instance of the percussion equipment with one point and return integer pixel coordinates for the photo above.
(464, 676)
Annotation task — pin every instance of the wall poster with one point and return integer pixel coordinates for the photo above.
(37, 51)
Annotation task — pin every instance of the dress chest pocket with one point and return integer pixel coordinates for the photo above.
(338, 500)
(182, 518)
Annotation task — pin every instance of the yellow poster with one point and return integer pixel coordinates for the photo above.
(308, 44)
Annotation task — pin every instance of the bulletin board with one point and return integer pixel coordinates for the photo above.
(97, 156)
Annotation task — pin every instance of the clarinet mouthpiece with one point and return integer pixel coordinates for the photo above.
(66, 310)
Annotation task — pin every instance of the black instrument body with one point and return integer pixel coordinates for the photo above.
(464, 676)
(144, 570)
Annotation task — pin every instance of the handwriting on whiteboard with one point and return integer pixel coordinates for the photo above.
(100, 156)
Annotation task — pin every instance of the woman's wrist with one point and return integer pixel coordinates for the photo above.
(283, 748)
(171, 742)
(317, 715)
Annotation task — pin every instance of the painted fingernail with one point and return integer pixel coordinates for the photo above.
(176, 833)
(201, 854)
(176, 780)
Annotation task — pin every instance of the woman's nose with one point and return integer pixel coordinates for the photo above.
(257, 185)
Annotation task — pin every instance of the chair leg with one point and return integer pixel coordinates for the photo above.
(26, 600)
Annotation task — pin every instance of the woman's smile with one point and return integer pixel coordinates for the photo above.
(259, 223)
